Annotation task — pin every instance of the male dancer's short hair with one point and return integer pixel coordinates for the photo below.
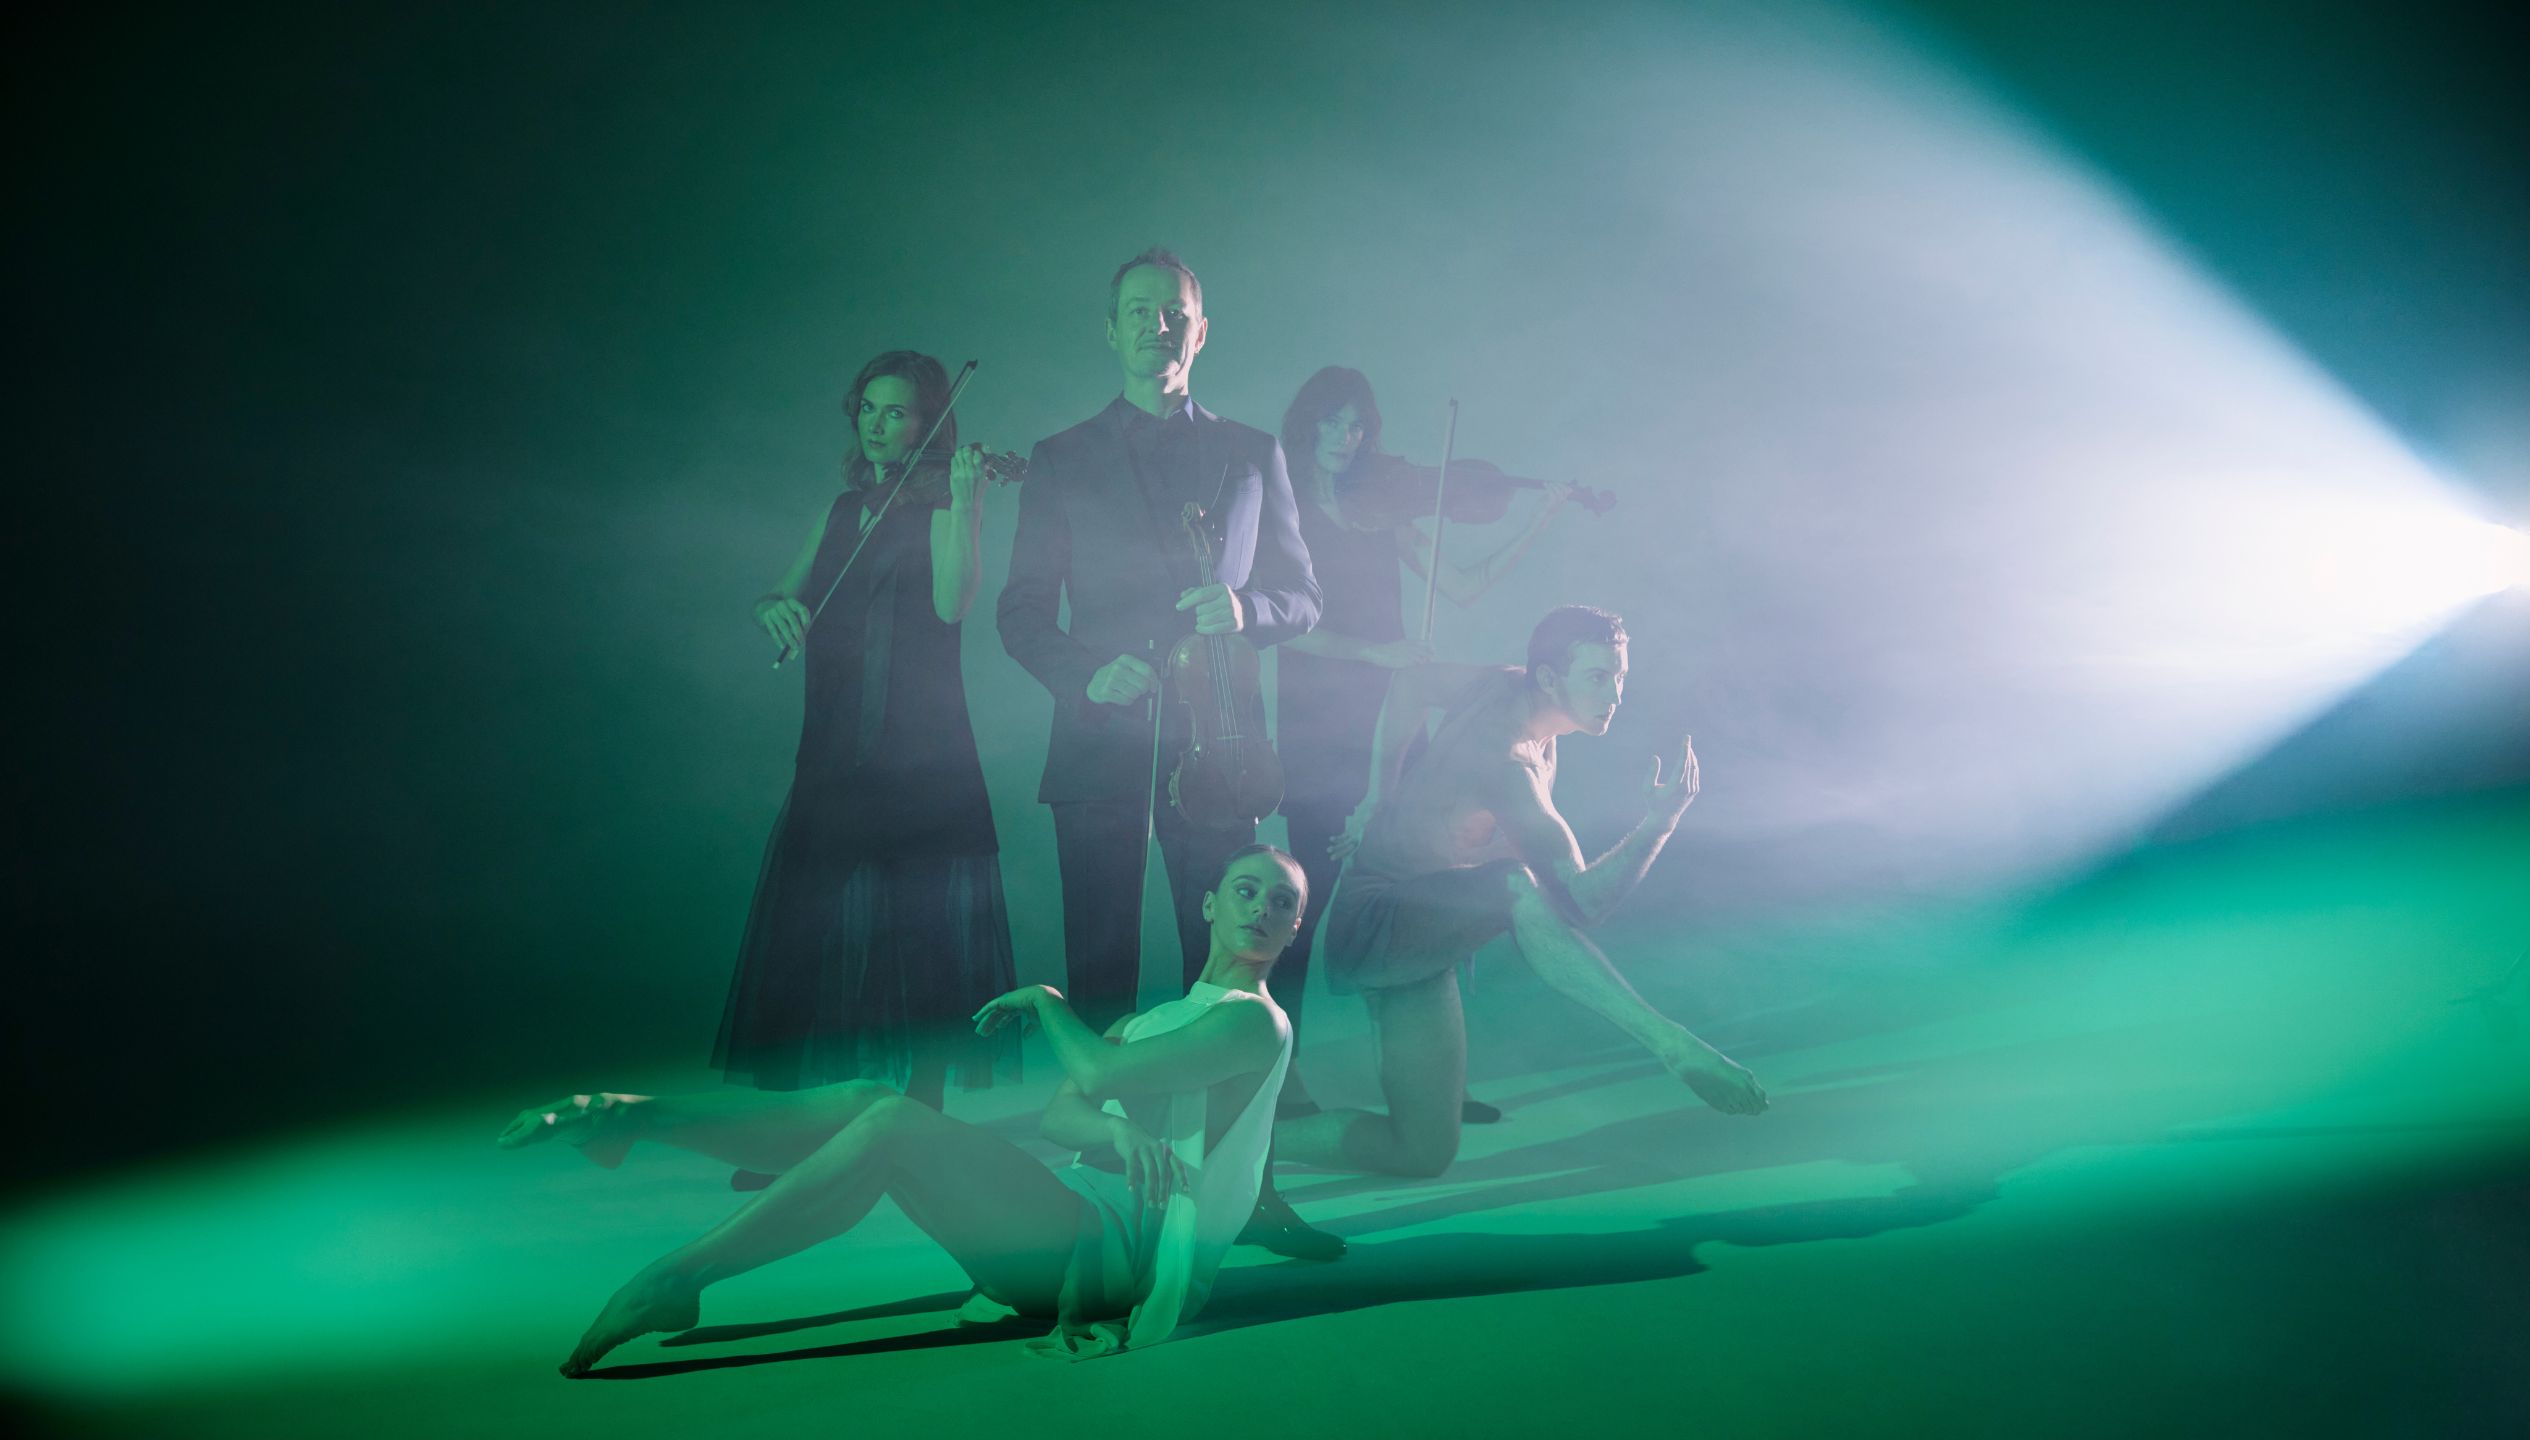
(1551, 643)
(1164, 258)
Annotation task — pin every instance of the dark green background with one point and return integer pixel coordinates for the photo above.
(408, 405)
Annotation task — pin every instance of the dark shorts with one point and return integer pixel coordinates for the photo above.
(1383, 931)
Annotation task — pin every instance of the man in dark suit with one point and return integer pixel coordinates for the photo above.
(1099, 522)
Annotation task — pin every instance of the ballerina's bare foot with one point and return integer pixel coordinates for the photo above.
(1717, 1079)
(599, 1126)
(657, 1299)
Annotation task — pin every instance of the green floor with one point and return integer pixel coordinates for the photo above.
(2200, 1145)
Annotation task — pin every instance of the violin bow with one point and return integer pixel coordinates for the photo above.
(1440, 521)
(965, 373)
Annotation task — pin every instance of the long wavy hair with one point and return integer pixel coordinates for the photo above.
(931, 394)
(1321, 395)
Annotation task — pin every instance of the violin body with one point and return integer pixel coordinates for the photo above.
(929, 486)
(1229, 776)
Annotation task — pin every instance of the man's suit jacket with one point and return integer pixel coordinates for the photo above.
(1088, 530)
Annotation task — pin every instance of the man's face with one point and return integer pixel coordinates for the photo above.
(1158, 327)
(1255, 910)
(889, 423)
(1339, 440)
(1590, 686)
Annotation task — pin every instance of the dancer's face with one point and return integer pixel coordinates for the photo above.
(1255, 910)
(1589, 687)
(890, 424)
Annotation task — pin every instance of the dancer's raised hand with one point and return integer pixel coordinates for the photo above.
(1019, 1004)
(1670, 800)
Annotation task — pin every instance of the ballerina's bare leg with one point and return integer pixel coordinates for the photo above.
(996, 1209)
(766, 1130)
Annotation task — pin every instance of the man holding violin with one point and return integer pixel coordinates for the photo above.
(1099, 523)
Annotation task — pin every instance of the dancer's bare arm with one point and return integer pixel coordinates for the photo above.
(1236, 1037)
(1525, 809)
(1070, 1119)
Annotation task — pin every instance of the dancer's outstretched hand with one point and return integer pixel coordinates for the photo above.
(1019, 1004)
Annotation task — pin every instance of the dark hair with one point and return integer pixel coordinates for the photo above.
(931, 394)
(1321, 395)
(1551, 643)
(1159, 255)
(1261, 848)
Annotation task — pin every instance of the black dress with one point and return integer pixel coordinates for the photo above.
(878, 919)
(1328, 709)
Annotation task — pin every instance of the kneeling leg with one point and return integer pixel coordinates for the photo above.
(1422, 1035)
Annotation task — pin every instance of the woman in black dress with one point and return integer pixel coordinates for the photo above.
(1330, 683)
(878, 925)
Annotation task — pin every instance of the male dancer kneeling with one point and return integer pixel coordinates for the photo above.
(1117, 1251)
(1466, 845)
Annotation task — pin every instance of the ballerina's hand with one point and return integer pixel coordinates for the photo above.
(1152, 1170)
(1019, 1004)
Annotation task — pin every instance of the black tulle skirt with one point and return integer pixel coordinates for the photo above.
(853, 959)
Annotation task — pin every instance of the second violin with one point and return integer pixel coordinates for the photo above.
(1229, 775)
(1386, 491)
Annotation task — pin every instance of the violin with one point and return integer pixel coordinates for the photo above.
(928, 487)
(1229, 775)
(1382, 492)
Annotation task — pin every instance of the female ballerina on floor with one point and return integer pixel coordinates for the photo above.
(878, 924)
(1171, 1111)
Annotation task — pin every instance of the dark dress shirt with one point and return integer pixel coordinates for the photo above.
(1099, 526)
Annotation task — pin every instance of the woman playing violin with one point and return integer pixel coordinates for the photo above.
(1332, 680)
(878, 923)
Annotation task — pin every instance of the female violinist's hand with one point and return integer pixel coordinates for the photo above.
(1399, 654)
(783, 618)
(1342, 845)
(966, 477)
(1557, 492)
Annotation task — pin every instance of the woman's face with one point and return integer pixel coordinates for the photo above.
(1339, 440)
(890, 425)
(1255, 910)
